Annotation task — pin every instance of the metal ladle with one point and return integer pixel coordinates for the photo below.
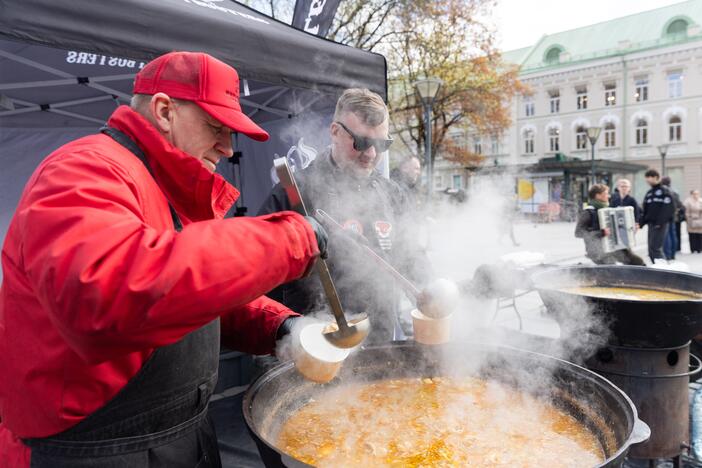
(406, 284)
(344, 334)
(426, 302)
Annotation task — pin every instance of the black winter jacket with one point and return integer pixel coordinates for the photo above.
(617, 201)
(377, 209)
(658, 206)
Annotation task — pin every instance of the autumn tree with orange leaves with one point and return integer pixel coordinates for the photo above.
(447, 40)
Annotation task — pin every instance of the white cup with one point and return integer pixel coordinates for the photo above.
(315, 358)
(431, 331)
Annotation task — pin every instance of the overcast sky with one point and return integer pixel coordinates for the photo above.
(521, 23)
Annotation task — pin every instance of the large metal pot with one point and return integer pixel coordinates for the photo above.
(647, 324)
(590, 398)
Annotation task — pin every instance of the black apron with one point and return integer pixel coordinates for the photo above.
(159, 419)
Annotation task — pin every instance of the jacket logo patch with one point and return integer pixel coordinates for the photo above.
(383, 229)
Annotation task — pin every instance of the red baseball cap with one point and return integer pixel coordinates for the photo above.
(210, 83)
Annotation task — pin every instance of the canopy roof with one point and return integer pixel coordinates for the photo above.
(584, 166)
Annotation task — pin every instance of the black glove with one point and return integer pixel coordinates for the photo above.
(286, 327)
(320, 234)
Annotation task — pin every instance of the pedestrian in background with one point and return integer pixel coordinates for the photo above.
(509, 214)
(622, 197)
(693, 218)
(658, 211)
(406, 174)
(589, 230)
(671, 245)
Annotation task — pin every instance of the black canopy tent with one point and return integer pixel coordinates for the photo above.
(65, 66)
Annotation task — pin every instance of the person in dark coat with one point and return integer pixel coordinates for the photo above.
(622, 197)
(344, 182)
(588, 228)
(658, 212)
(671, 245)
(406, 175)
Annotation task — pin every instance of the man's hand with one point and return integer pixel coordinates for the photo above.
(637, 227)
(286, 327)
(284, 346)
(320, 234)
(606, 232)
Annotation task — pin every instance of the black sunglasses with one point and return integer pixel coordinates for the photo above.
(363, 143)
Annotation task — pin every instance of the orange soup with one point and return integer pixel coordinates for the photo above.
(439, 422)
(631, 294)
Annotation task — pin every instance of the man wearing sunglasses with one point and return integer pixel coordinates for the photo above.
(344, 182)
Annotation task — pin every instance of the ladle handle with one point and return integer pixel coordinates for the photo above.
(406, 284)
(288, 182)
(332, 295)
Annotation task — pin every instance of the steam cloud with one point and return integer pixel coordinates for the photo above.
(458, 238)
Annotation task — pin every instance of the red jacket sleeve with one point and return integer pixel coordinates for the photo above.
(114, 284)
(252, 327)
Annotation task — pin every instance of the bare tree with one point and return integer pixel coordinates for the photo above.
(282, 10)
(370, 25)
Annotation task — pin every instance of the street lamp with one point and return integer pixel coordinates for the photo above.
(663, 150)
(593, 133)
(427, 89)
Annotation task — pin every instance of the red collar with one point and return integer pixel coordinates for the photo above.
(195, 193)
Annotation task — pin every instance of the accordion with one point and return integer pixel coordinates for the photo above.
(621, 223)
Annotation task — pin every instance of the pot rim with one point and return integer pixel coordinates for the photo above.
(640, 431)
(538, 280)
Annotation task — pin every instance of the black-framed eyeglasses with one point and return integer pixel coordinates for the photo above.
(361, 143)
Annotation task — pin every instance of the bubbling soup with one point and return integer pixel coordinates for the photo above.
(437, 422)
(630, 294)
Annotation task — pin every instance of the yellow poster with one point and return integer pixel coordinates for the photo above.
(525, 189)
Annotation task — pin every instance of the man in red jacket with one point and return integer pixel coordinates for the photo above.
(121, 276)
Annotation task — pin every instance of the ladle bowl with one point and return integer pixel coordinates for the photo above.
(352, 335)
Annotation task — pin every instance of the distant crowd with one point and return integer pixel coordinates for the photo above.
(661, 210)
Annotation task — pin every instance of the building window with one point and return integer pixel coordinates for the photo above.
(457, 181)
(610, 94)
(675, 129)
(641, 93)
(494, 144)
(459, 141)
(555, 100)
(581, 97)
(477, 146)
(580, 137)
(528, 106)
(610, 135)
(529, 142)
(677, 29)
(553, 56)
(641, 132)
(675, 84)
(553, 139)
